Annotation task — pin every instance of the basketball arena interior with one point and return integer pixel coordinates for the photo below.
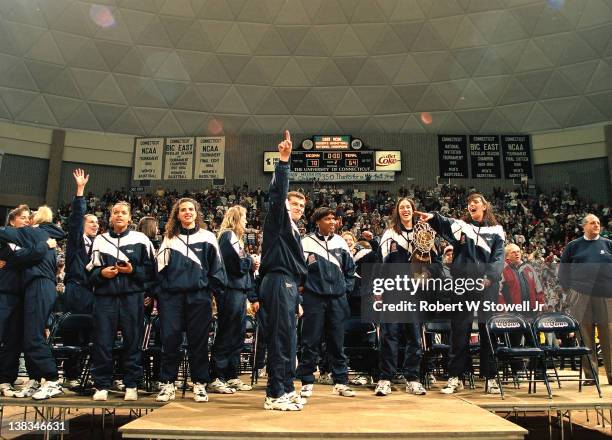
(305, 219)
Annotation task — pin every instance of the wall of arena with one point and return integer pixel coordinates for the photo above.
(578, 157)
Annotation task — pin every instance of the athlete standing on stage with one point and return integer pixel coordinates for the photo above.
(282, 270)
(478, 253)
(121, 267)
(190, 271)
(331, 272)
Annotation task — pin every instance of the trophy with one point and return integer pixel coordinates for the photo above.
(423, 243)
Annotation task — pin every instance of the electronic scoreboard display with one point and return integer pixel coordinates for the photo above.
(331, 142)
(332, 161)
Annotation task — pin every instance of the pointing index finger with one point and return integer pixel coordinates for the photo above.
(287, 136)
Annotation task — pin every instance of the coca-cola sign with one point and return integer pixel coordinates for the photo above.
(388, 160)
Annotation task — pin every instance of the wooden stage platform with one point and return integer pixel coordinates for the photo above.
(468, 414)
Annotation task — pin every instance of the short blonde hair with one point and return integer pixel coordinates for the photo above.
(42, 215)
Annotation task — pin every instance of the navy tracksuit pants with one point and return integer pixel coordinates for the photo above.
(39, 299)
(192, 312)
(11, 331)
(324, 317)
(78, 299)
(111, 313)
(229, 341)
(261, 346)
(460, 360)
(280, 300)
(390, 338)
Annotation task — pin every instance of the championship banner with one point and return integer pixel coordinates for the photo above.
(178, 162)
(484, 155)
(452, 156)
(210, 158)
(148, 153)
(516, 150)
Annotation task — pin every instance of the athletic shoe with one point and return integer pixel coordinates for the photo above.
(360, 380)
(220, 387)
(281, 403)
(326, 379)
(398, 379)
(306, 390)
(343, 390)
(50, 388)
(167, 392)
(7, 390)
(383, 388)
(29, 389)
(452, 386)
(432, 379)
(415, 387)
(493, 387)
(131, 394)
(100, 395)
(118, 385)
(199, 392)
(261, 373)
(296, 398)
(238, 385)
(72, 383)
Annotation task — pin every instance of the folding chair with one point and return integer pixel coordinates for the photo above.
(361, 346)
(561, 323)
(151, 351)
(436, 348)
(499, 328)
(69, 339)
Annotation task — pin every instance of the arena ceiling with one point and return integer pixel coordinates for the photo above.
(174, 67)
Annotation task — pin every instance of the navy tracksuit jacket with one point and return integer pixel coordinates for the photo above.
(118, 303)
(39, 297)
(190, 270)
(231, 308)
(78, 297)
(282, 270)
(331, 272)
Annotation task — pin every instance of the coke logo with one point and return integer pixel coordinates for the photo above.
(389, 159)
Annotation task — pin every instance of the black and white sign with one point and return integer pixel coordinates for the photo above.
(148, 154)
(516, 151)
(210, 158)
(484, 157)
(452, 156)
(179, 158)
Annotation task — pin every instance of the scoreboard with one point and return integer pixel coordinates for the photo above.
(332, 161)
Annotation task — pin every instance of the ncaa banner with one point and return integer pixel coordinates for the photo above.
(148, 154)
(210, 158)
(179, 158)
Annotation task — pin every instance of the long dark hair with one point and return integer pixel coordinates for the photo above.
(396, 222)
(488, 216)
(174, 224)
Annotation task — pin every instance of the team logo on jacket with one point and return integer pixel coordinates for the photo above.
(312, 259)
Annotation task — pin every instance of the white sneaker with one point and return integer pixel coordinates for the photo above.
(50, 388)
(416, 387)
(294, 397)
(167, 392)
(199, 392)
(239, 385)
(326, 379)
(360, 380)
(220, 387)
(29, 389)
(281, 403)
(343, 390)
(432, 379)
(306, 390)
(131, 394)
(7, 390)
(493, 387)
(452, 386)
(383, 388)
(261, 373)
(100, 395)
